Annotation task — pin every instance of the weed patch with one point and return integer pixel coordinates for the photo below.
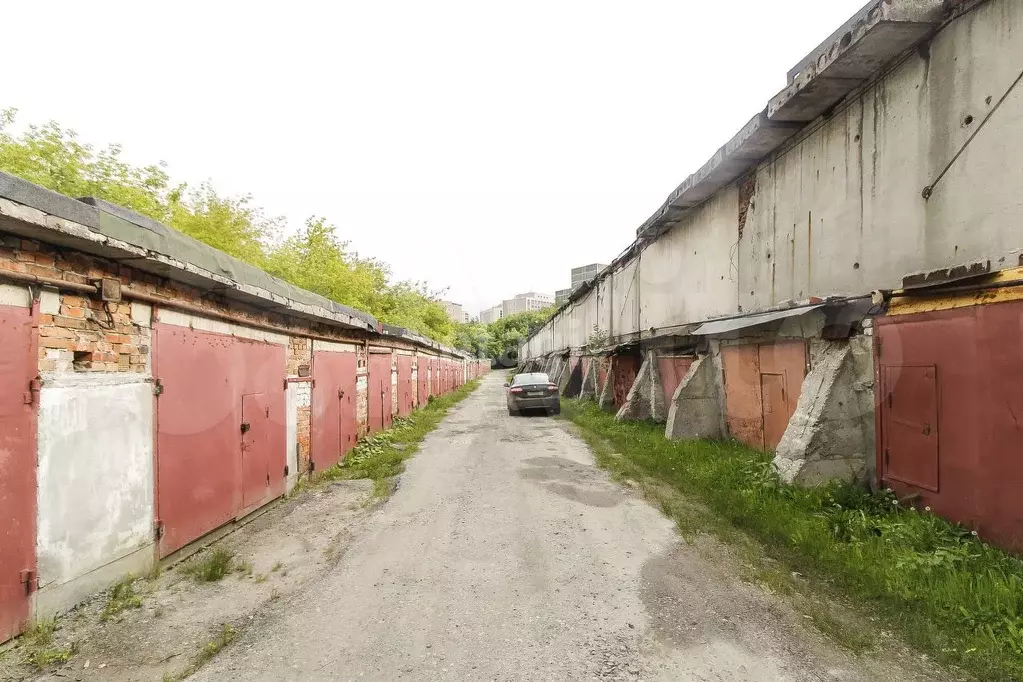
(206, 654)
(212, 566)
(381, 456)
(933, 582)
(122, 596)
(38, 645)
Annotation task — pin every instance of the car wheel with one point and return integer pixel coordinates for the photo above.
(512, 413)
(556, 410)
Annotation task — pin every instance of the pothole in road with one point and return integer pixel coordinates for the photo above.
(592, 498)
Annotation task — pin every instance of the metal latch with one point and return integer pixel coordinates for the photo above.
(287, 470)
(340, 393)
(158, 529)
(157, 387)
(245, 427)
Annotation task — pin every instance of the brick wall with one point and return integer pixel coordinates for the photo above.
(299, 356)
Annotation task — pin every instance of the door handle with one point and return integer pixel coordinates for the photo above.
(245, 427)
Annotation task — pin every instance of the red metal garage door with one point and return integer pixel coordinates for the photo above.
(435, 379)
(623, 374)
(950, 414)
(406, 391)
(423, 379)
(210, 385)
(17, 468)
(673, 369)
(379, 391)
(762, 386)
(334, 426)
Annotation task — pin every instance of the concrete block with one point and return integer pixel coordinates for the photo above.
(49, 302)
(141, 314)
(16, 295)
(605, 400)
(831, 434)
(695, 410)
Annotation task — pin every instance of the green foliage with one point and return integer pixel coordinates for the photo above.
(502, 337)
(935, 582)
(38, 647)
(211, 566)
(314, 258)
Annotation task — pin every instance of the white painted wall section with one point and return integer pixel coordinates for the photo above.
(95, 481)
(220, 327)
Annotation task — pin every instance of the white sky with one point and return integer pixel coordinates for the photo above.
(443, 137)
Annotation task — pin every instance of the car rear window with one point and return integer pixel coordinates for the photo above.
(531, 378)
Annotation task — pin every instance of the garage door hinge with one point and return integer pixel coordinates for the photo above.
(886, 457)
(32, 393)
(157, 387)
(287, 470)
(30, 580)
(158, 529)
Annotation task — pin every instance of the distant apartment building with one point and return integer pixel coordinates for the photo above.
(520, 303)
(491, 314)
(528, 302)
(455, 312)
(585, 273)
(561, 295)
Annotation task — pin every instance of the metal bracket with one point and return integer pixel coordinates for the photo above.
(287, 470)
(157, 387)
(158, 529)
(245, 427)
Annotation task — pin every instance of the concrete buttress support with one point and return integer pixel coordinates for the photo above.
(831, 434)
(589, 389)
(606, 399)
(695, 410)
(646, 397)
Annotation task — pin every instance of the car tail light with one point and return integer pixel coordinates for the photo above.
(516, 390)
(552, 388)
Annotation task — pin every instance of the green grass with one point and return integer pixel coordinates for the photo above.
(206, 654)
(211, 566)
(932, 582)
(37, 644)
(122, 596)
(382, 456)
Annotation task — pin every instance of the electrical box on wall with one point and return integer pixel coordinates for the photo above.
(110, 289)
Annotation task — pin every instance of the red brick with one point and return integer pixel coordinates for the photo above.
(138, 359)
(42, 271)
(72, 312)
(54, 342)
(45, 259)
(24, 257)
(73, 301)
(56, 332)
(118, 338)
(29, 245)
(83, 347)
(45, 319)
(71, 322)
(75, 277)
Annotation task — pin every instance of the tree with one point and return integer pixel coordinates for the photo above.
(314, 258)
(474, 338)
(502, 337)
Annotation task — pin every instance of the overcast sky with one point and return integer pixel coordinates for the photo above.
(484, 147)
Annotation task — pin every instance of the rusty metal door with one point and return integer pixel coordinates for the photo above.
(762, 385)
(743, 395)
(909, 404)
(435, 376)
(406, 391)
(673, 369)
(17, 468)
(255, 457)
(333, 427)
(623, 375)
(379, 391)
(773, 398)
(202, 482)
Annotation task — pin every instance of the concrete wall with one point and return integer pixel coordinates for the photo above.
(839, 210)
(95, 477)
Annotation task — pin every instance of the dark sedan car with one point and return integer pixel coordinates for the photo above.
(533, 391)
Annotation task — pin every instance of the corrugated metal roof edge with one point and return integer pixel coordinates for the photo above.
(88, 213)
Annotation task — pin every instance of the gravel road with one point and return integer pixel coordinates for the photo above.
(505, 554)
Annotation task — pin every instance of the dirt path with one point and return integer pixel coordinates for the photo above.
(505, 555)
